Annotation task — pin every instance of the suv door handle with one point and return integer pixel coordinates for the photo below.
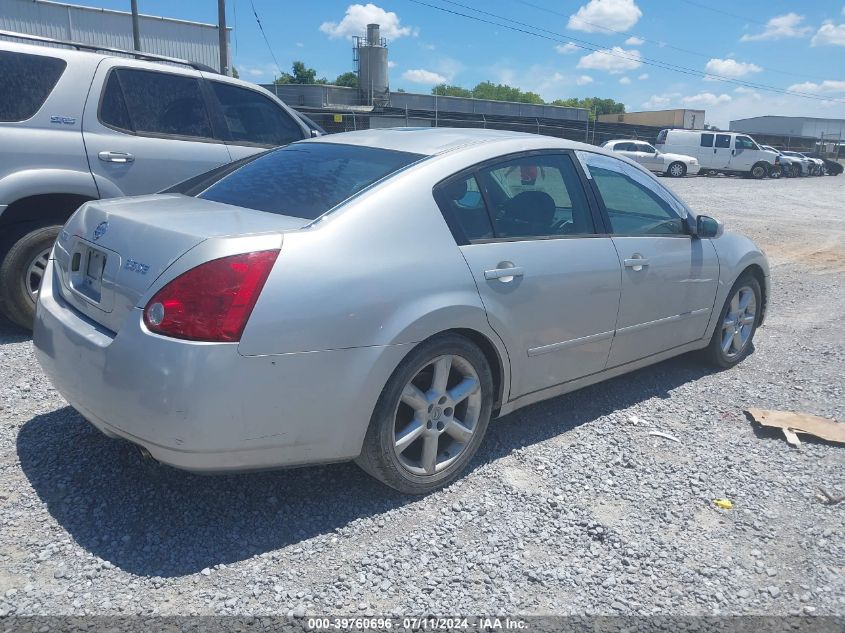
(116, 157)
(506, 274)
(637, 262)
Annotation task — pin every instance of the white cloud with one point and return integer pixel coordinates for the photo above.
(358, 16)
(565, 49)
(421, 76)
(391, 64)
(779, 27)
(583, 80)
(604, 15)
(625, 81)
(705, 99)
(828, 85)
(643, 77)
(615, 60)
(731, 68)
(634, 41)
(657, 102)
(829, 34)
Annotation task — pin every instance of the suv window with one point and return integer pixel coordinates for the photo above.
(253, 118)
(707, 140)
(723, 140)
(26, 80)
(536, 196)
(156, 103)
(304, 180)
(743, 142)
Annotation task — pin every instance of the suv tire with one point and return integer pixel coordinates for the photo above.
(21, 271)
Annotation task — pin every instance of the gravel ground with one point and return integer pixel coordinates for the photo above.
(571, 507)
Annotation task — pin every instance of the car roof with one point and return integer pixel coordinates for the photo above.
(431, 141)
(628, 140)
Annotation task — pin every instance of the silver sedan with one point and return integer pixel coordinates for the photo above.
(379, 296)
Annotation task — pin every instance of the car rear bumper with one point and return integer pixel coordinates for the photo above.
(204, 406)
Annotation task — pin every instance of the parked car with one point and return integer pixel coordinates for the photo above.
(98, 125)
(675, 165)
(831, 167)
(378, 295)
(808, 166)
(789, 166)
(722, 152)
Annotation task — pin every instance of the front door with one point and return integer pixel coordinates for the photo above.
(149, 130)
(722, 152)
(549, 283)
(669, 278)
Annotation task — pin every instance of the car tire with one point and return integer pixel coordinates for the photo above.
(775, 172)
(734, 334)
(416, 418)
(759, 171)
(21, 272)
(677, 170)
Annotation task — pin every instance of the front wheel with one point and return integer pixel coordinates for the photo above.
(737, 323)
(430, 417)
(677, 170)
(775, 172)
(759, 171)
(21, 272)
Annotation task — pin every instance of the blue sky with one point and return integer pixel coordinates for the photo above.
(787, 45)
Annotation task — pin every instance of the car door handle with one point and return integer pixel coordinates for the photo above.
(637, 263)
(116, 157)
(505, 274)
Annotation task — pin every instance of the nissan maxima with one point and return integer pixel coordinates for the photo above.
(378, 296)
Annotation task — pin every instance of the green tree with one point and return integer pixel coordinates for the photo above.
(503, 92)
(300, 74)
(235, 73)
(348, 79)
(596, 105)
(445, 90)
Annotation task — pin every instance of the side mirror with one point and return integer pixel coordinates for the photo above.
(707, 227)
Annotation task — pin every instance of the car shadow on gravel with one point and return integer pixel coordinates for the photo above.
(153, 520)
(11, 333)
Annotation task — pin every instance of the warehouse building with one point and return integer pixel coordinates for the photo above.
(194, 41)
(795, 132)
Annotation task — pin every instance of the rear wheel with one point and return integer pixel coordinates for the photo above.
(431, 416)
(21, 273)
(737, 323)
(759, 171)
(677, 170)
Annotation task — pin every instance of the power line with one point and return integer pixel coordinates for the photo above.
(660, 43)
(590, 46)
(264, 35)
(723, 12)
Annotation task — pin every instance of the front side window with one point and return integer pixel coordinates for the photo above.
(536, 196)
(743, 142)
(305, 180)
(634, 202)
(253, 118)
(156, 103)
(707, 140)
(723, 140)
(25, 83)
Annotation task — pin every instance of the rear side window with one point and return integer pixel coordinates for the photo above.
(462, 203)
(253, 118)
(154, 103)
(707, 140)
(25, 83)
(723, 140)
(305, 180)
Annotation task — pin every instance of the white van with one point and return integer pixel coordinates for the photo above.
(726, 152)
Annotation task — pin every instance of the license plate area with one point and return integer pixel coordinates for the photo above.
(88, 266)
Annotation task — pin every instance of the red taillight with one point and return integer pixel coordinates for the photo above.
(213, 301)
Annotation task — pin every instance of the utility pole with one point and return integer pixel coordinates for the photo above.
(221, 34)
(136, 32)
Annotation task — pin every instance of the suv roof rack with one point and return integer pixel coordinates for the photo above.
(81, 46)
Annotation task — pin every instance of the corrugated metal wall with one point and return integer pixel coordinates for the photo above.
(193, 41)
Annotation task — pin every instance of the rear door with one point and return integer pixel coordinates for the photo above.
(252, 122)
(627, 149)
(669, 278)
(147, 129)
(649, 158)
(549, 282)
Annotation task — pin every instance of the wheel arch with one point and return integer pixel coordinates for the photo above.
(757, 272)
(494, 359)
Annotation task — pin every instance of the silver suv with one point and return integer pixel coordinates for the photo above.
(77, 125)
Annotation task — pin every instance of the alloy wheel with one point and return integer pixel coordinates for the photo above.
(437, 415)
(739, 322)
(31, 280)
(676, 170)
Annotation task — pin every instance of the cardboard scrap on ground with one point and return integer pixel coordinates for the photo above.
(793, 423)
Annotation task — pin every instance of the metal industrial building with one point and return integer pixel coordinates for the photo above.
(194, 41)
(681, 118)
(808, 127)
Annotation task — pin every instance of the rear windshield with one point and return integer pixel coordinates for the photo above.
(305, 180)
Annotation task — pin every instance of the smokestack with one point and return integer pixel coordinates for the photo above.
(373, 34)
